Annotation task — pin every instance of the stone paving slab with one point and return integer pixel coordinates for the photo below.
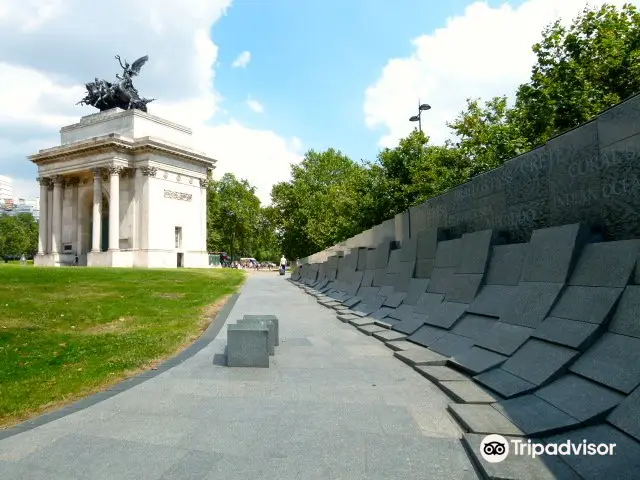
(370, 329)
(437, 374)
(386, 323)
(389, 335)
(477, 360)
(483, 419)
(400, 345)
(420, 356)
(467, 392)
(334, 404)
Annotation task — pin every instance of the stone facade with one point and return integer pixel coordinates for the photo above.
(158, 216)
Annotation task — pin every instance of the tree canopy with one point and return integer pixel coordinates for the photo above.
(581, 69)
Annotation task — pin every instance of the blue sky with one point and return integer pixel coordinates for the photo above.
(344, 74)
(312, 61)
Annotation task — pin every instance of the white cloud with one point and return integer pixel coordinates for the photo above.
(242, 60)
(42, 77)
(483, 53)
(255, 105)
(258, 155)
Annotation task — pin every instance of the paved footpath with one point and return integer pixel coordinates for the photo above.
(335, 404)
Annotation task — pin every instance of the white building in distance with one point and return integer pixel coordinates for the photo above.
(6, 189)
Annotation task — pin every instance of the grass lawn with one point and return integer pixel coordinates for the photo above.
(69, 332)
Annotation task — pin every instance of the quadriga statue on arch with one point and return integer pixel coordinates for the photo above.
(105, 95)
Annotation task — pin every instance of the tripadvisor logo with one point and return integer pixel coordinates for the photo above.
(495, 448)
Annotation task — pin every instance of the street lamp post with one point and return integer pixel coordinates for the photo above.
(418, 118)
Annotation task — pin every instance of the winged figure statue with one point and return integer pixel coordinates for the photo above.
(105, 95)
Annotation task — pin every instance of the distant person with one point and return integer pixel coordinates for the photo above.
(76, 261)
(283, 263)
(23, 259)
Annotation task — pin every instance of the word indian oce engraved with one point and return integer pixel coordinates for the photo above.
(177, 195)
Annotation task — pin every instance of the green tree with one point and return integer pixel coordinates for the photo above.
(486, 136)
(319, 206)
(581, 70)
(233, 213)
(15, 236)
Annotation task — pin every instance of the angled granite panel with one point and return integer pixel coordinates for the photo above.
(426, 335)
(403, 312)
(362, 259)
(534, 416)
(626, 318)
(538, 362)
(624, 464)
(587, 304)
(504, 338)
(552, 252)
(505, 266)
(614, 361)
(417, 286)
(428, 242)
(402, 281)
(382, 254)
(451, 344)
(409, 249)
(472, 326)
(379, 277)
(619, 122)
(448, 253)
(393, 266)
(493, 300)
(409, 325)
(442, 280)
(424, 268)
(464, 287)
(428, 301)
(477, 360)
(394, 300)
(607, 264)
(583, 399)
(571, 333)
(371, 259)
(504, 383)
(445, 314)
(475, 250)
(531, 303)
(627, 416)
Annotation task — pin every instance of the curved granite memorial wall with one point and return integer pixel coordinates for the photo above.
(518, 294)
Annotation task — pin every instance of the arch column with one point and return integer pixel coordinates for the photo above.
(114, 208)
(56, 237)
(97, 210)
(43, 222)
